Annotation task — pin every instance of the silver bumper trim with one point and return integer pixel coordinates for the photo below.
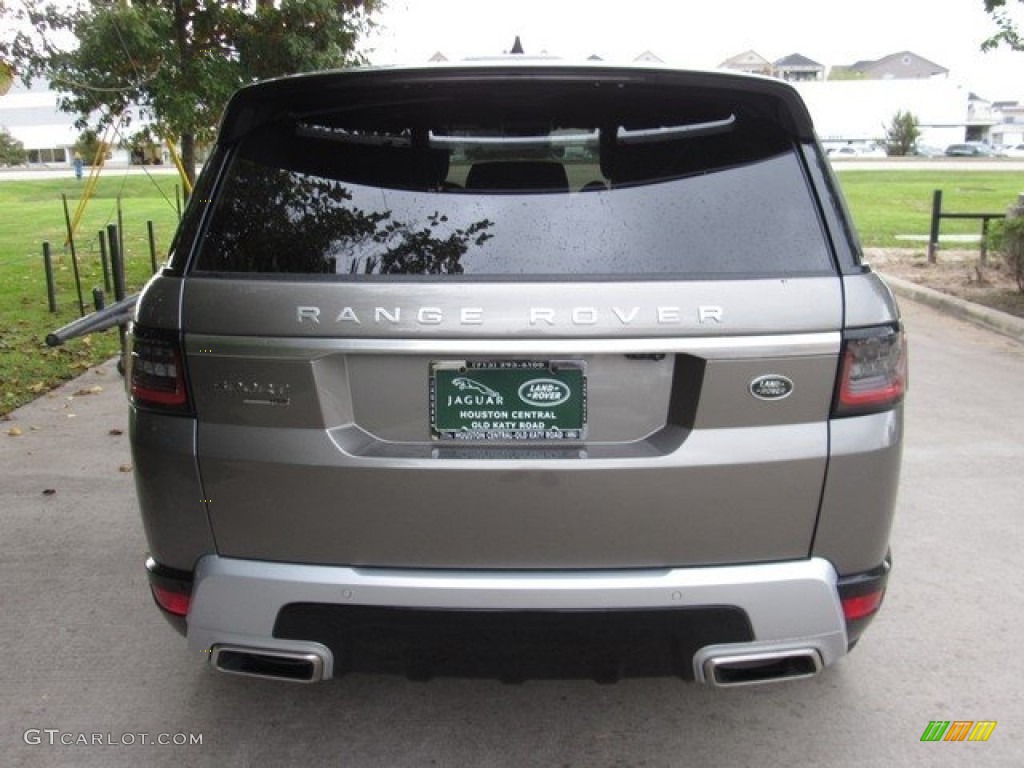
(237, 601)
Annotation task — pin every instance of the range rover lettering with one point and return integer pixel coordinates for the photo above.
(518, 360)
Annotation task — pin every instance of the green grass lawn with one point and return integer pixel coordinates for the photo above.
(884, 204)
(32, 212)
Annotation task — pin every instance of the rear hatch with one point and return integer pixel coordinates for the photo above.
(512, 319)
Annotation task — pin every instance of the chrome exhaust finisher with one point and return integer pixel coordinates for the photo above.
(764, 667)
(292, 666)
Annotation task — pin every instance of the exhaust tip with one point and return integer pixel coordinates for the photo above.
(755, 668)
(269, 664)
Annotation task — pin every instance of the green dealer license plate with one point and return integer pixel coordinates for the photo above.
(508, 400)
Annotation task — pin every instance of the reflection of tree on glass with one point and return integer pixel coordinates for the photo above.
(421, 251)
(278, 221)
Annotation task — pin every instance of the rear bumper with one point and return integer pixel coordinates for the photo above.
(793, 608)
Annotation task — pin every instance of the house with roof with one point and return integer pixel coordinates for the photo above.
(647, 57)
(798, 68)
(856, 102)
(904, 65)
(795, 67)
(750, 62)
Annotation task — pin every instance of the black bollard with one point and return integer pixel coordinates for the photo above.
(51, 296)
(74, 256)
(117, 268)
(152, 245)
(105, 262)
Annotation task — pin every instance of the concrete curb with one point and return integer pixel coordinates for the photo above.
(992, 319)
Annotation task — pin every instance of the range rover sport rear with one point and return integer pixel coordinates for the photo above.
(576, 352)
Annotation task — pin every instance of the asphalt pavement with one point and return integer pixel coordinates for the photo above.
(92, 676)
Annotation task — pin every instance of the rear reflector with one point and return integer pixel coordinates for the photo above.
(172, 592)
(873, 375)
(157, 377)
(171, 601)
(861, 596)
(862, 606)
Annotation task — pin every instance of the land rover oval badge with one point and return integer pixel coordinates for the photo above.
(771, 386)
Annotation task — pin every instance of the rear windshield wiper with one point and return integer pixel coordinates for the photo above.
(673, 132)
(589, 139)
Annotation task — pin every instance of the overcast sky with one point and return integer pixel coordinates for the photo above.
(702, 34)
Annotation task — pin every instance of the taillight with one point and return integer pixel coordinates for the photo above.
(873, 371)
(157, 373)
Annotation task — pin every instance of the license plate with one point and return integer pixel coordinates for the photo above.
(498, 400)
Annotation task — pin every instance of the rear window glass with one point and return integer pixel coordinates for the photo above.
(541, 181)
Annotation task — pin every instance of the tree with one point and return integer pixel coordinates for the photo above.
(89, 146)
(174, 62)
(902, 134)
(1008, 33)
(6, 76)
(12, 151)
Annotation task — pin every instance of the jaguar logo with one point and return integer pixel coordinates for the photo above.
(771, 386)
(544, 392)
(472, 392)
(465, 384)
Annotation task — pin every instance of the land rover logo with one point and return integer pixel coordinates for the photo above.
(771, 386)
(544, 392)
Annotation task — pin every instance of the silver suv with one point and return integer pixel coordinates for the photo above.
(515, 364)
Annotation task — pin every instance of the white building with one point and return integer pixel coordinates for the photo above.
(31, 116)
(859, 111)
(1008, 117)
(49, 135)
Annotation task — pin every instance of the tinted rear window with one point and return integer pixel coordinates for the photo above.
(539, 180)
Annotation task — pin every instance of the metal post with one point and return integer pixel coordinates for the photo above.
(98, 300)
(105, 262)
(152, 245)
(117, 267)
(51, 296)
(116, 261)
(933, 237)
(120, 232)
(983, 257)
(1013, 246)
(74, 256)
(177, 199)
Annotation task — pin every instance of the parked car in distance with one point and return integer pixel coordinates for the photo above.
(969, 150)
(856, 151)
(413, 389)
(1016, 150)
